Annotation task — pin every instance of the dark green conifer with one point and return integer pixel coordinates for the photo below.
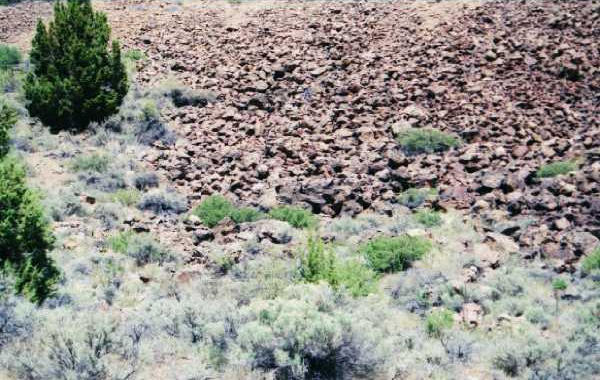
(75, 79)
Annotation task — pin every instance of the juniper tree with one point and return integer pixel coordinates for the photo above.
(75, 78)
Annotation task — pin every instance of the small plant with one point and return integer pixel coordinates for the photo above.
(393, 254)
(438, 321)
(163, 202)
(592, 261)
(508, 363)
(317, 263)
(216, 208)
(213, 209)
(358, 279)
(144, 181)
(556, 168)
(295, 216)
(94, 162)
(246, 215)
(415, 197)
(428, 218)
(416, 141)
(8, 119)
(134, 55)
(559, 285)
(9, 56)
(141, 247)
(127, 197)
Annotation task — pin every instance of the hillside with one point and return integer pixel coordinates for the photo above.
(319, 190)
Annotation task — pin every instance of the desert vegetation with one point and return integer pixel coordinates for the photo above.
(299, 190)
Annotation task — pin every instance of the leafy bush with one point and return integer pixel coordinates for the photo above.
(438, 321)
(556, 168)
(416, 141)
(318, 261)
(414, 197)
(559, 285)
(246, 215)
(25, 236)
(592, 261)
(134, 55)
(295, 216)
(216, 208)
(94, 162)
(75, 79)
(393, 254)
(213, 209)
(9, 56)
(127, 197)
(428, 218)
(163, 202)
(355, 277)
(141, 247)
(8, 119)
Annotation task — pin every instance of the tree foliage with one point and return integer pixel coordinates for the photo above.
(75, 80)
(25, 235)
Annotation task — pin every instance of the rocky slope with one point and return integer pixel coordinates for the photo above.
(308, 96)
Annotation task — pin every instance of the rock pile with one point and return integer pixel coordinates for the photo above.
(309, 96)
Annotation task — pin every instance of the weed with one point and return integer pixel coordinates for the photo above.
(416, 141)
(127, 197)
(592, 261)
(415, 197)
(94, 162)
(295, 216)
(393, 254)
(428, 218)
(556, 168)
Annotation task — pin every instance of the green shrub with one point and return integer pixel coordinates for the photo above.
(438, 321)
(317, 263)
(393, 254)
(216, 208)
(25, 236)
(416, 141)
(134, 55)
(8, 118)
(9, 56)
(415, 197)
(592, 261)
(355, 277)
(213, 209)
(127, 197)
(75, 79)
(295, 216)
(556, 168)
(94, 162)
(559, 284)
(428, 218)
(245, 215)
(141, 247)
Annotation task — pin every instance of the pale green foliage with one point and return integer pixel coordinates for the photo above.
(392, 254)
(592, 261)
(93, 162)
(415, 197)
(215, 208)
(557, 168)
(295, 216)
(416, 141)
(438, 321)
(428, 218)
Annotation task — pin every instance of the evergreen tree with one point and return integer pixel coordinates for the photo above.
(25, 235)
(8, 118)
(75, 80)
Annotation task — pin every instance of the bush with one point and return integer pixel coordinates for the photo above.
(127, 197)
(216, 208)
(145, 181)
(416, 141)
(393, 254)
(295, 216)
(213, 209)
(141, 247)
(592, 261)
(556, 168)
(318, 261)
(94, 162)
(8, 119)
(163, 202)
(414, 197)
(25, 236)
(428, 218)
(9, 56)
(355, 277)
(75, 79)
(438, 321)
